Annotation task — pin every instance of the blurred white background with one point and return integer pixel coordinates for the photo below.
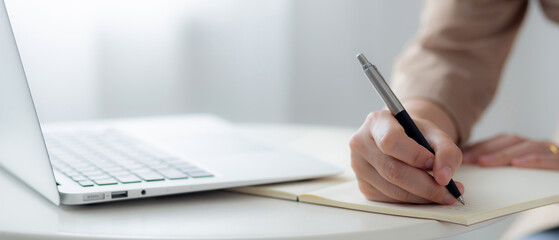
(251, 61)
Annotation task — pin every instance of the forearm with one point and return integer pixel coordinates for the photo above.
(456, 59)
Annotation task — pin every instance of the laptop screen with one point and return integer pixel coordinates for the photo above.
(22, 148)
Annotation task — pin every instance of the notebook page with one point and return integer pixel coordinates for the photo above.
(490, 193)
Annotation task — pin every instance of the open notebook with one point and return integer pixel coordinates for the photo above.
(490, 192)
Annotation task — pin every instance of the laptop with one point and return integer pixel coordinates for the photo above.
(111, 160)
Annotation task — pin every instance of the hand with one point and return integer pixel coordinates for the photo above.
(391, 167)
(511, 150)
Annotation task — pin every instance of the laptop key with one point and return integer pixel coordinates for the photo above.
(119, 173)
(182, 164)
(93, 173)
(136, 166)
(65, 169)
(107, 158)
(113, 169)
(80, 165)
(160, 167)
(107, 181)
(128, 179)
(153, 164)
(99, 177)
(79, 178)
(87, 169)
(190, 169)
(72, 173)
(106, 165)
(150, 176)
(200, 174)
(172, 174)
(143, 169)
(85, 183)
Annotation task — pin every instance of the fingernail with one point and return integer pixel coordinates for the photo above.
(446, 171)
(449, 199)
(429, 163)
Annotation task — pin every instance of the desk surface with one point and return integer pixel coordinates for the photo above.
(221, 214)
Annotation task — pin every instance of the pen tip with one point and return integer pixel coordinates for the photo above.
(461, 200)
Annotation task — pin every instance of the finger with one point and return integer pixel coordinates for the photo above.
(541, 161)
(494, 144)
(361, 140)
(448, 156)
(504, 156)
(380, 189)
(460, 187)
(413, 180)
(392, 140)
(362, 172)
(372, 194)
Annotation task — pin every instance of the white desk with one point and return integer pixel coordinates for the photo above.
(24, 214)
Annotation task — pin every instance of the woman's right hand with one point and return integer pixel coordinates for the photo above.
(391, 167)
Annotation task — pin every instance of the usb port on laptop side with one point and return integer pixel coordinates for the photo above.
(119, 194)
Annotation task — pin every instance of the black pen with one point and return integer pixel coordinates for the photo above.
(400, 114)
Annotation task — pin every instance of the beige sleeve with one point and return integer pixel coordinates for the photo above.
(457, 56)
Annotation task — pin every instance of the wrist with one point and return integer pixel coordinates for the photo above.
(430, 111)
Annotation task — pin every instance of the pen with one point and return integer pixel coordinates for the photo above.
(400, 114)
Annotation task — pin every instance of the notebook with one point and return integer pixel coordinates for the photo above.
(490, 192)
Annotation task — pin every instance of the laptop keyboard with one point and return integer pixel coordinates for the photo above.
(110, 157)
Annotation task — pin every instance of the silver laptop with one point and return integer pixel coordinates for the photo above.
(92, 162)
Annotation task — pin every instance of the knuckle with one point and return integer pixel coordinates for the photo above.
(400, 194)
(450, 152)
(417, 159)
(454, 149)
(372, 116)
(448, 146)
(456, 154)
(393, 172)
(388, 140)
(355, 142)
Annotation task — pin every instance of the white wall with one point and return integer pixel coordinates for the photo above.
(329, 85)
(145, 57)
(250, 60)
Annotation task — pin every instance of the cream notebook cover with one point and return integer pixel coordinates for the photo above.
(490, 192)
